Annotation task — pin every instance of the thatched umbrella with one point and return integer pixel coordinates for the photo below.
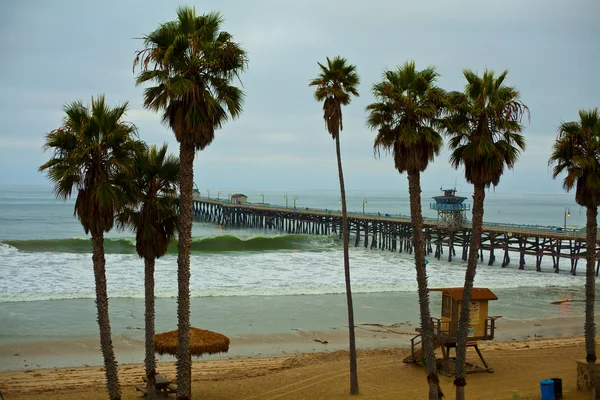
(201, 342)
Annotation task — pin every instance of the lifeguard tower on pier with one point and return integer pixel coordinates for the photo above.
(452, 212)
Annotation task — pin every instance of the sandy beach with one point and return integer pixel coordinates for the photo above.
(518, 365)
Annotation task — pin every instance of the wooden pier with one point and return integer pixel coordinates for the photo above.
(394, 233)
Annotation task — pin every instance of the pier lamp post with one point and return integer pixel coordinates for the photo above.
(567, 214)
(295, 200)
(219, 196)
(208, 191)
(285, 198)
(262, 196)
(364, 204)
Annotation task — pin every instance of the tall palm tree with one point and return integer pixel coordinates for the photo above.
(191, 64)
(90, 148)
(336, 84)
(405, 116)
(152, 214)
(576, 152)
(484, 125)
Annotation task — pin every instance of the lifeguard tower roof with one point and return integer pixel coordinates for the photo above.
(476, 294)
(449, 197)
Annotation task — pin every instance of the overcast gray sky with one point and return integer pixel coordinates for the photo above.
(59, 51)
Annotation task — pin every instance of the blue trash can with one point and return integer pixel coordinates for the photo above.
(547, 388)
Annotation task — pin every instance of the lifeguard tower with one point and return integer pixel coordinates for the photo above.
(450, 208)
(445, 329)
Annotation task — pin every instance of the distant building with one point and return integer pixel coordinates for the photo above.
(239, 198)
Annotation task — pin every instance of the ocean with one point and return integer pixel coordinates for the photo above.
(256, 286)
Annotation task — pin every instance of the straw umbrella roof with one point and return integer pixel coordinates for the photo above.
(201, 342)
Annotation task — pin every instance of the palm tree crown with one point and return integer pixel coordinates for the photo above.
(406, 116)
(152, 213)
(193, 65)
(335, 84)
(484, 127)
(577, 151)
(90, 147)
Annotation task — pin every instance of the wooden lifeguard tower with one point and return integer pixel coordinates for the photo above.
(445, 329)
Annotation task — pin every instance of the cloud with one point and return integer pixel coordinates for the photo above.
(60, 51)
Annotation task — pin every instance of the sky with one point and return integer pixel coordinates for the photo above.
(54, 52)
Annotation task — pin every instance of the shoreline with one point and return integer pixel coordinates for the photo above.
(518, 365)
(73, 352)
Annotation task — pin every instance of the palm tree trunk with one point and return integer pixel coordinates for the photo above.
(110, 363)
(463, 323)
(150, 357)
(590, 296)
(414, 189)
(186, 216)
(346, 233)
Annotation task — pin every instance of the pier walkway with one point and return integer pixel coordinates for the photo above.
(394, 232)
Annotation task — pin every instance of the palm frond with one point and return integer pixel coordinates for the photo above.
(191, 64)
(576, 151)
(91, 148)
(406, 116)
(335, 85)
(484, 124)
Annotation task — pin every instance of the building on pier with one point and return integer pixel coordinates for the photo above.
(239, 198)
(452, 212)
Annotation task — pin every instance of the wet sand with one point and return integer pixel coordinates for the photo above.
(310, 365)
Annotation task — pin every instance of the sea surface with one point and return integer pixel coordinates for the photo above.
(251, 282)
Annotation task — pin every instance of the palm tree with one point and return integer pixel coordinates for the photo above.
(192, 64)
(484, 125)
(90, 148)
(405, 116)
(335, 85)
(152, 214)
(576, 152)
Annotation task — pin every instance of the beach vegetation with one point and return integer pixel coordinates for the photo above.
(91, 147)
(406, 116)
(484, 125)
(335, 85)
(190, 64)
(576, 153)
(152, 214)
